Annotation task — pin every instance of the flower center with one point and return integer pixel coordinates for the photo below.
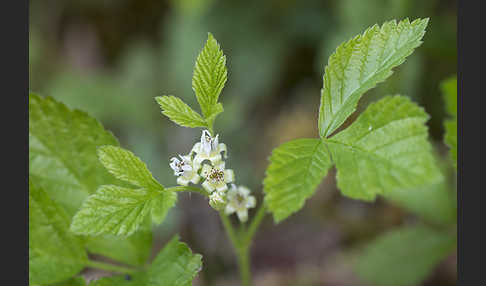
(216, 175)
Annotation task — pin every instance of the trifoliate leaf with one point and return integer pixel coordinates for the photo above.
(179, 112)
(209, 77)
(125, 166)
(55, 254)
(175, 265)
(405, 256)
(385, 149)
(449, 90)
(63, 160)
(117, 210)
(75, 281)
(361, 63)
(296, 169)
(137, 279)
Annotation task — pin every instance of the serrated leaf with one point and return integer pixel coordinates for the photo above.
(63, 160)
(137, 279)
(55, 254)
(62, 151)
(385, 149)
(210, 75)
(296, 169)
(125, 166)
(175, 265)
(179, 112)
(75, 281)
(449, 90)
(404, 257)
(361, 63)
(116, 210)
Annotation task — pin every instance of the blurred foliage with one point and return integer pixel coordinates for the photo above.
(112, 58)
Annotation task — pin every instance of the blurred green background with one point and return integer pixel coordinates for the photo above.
(112, 57)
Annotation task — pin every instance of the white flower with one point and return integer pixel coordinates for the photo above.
(216, 177)
(185, 170)
(217, 200)
(239, 201)
(208, 149)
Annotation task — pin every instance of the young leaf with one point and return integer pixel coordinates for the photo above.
(296, 169)
(179, 112)
(209, 77)
(125, 166)
(175, 265)
(117, 210)
(385, 149)
(63, 160)
(404, 256)
(55, 254)
(361, 63)
(449, 90)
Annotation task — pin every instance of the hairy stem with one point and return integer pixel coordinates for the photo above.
(110, 267)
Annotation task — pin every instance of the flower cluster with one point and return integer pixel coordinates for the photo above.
(206, 161)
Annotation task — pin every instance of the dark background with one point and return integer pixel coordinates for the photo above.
(112, 57)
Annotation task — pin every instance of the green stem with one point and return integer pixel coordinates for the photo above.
(244, 264)
(255, 223)
(110, 267)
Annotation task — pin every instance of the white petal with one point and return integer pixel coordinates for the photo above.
(242, 215)
(229, 176)
(195, 179)
(222, 188)
(208, 187)
(251, 202)
(215, 158)
(244, 191)
(182, 181)
(229, 209)
(196, 148)
(222, 148)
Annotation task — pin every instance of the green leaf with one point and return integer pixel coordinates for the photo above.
(63, 160)
(137, 279)
(62, 151)
(385, 149)
(404, 257)
(435, 203)
(179, 112)
(125, 166)
(296, 169)
(175, 265)
(55, 254)
(75, 281)
(209, 77)
(117, 210)
(133, 250)
(449, 90)
(361, 63)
